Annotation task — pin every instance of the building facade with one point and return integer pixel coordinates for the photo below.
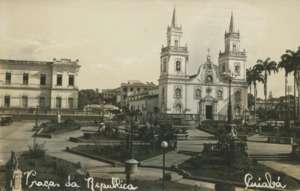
(204, 95)
(48, 85)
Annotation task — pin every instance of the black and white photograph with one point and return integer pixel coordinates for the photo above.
(149, 95)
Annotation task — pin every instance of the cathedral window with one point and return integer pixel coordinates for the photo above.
(177, 93)
(237, 69)
(176, 42)
(178, 65)
(220, 94)
(237, 96)
(237, 110)
(234, 47)
(197, 93)
(178, 108)
(223, 68)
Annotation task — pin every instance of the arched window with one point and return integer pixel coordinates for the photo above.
(178, 108)
(197, 93)
(220, 94)
(237, 68)
(223, 68)
(234, 47)
(176, 42)
(178, 93)
(237, 110)
(163, 94)
(237, 96)
(178, 65)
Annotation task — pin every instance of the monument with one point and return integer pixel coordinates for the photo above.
(14, 173)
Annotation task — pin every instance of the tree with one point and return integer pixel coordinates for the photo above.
(254, 76)
(249, 77)
(266, 67)
(287, 65)
(87, 97)
(293, 58)
(250, 101)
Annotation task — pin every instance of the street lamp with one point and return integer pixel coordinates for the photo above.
(229, 76)
(163, 145)
(103, 110)
(132, 113)
(37, 114)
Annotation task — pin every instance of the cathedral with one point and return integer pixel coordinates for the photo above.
(204, 95)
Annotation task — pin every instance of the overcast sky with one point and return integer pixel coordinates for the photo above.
(120, 40)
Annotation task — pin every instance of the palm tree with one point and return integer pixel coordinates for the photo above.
(266, 67)
(286, 64)
(256, 77)
(293, 58)
(249, 72)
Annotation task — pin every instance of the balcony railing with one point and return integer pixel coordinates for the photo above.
(234, 53)
(174, 48)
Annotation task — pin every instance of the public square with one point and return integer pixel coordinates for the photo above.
(18, 137)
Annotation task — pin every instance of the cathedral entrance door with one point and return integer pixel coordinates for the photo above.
(209, 112)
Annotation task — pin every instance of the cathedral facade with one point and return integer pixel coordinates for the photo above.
(204, 95)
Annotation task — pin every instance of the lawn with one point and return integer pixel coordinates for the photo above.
(216, 169)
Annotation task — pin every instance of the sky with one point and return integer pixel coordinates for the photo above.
(120, 40)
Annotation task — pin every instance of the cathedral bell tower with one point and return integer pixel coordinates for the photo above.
(174, 57)
(233, 59)
(173, 71)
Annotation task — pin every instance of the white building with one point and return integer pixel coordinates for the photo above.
(204, 94)
(28, 84)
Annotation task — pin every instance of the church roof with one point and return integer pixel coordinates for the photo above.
(231, 26)
(174, 21)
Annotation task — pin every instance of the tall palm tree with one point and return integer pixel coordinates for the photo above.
(286, 64)
(294, 59)
(256, 77)
(266, 67)
(249, 75)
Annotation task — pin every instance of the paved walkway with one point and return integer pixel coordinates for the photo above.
(172, 158)
(258, 138)
(290, 168)
(57, 146)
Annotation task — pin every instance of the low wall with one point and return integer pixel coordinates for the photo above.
(281, 140)
(113, 163)
(20, 117)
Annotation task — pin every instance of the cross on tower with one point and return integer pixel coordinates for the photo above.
(208, 56)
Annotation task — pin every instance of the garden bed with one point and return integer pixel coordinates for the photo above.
(119, 152)
(55, 128)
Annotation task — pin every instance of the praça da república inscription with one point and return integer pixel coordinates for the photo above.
(90, 183)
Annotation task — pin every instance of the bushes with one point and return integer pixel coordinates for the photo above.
(37, 150)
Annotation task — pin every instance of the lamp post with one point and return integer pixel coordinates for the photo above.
(132, 114)
(229, 76)
(163, 145)
(37, 114)
(103, 110)
(131, 123)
